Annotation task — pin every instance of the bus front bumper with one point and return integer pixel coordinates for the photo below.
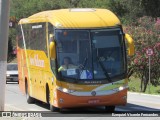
(65, 100)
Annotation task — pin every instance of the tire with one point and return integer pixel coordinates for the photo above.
(30, 100)
(110, 109)
(51, 107)
(54, 109)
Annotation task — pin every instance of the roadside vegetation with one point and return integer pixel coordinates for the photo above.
(135, 83)
(141, 19)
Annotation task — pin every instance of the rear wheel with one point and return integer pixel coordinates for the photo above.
(29, 98)
(110, 109)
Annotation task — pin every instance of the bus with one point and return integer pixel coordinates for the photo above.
(93, 43)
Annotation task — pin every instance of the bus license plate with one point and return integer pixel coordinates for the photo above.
(93, 101)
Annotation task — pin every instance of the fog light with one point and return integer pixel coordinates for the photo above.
(61, 100)
(124, 97)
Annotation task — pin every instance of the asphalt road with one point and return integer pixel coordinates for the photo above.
(16, 101)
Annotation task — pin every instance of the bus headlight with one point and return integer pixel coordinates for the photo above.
(121, 88)
(8, 75)
(65, 90)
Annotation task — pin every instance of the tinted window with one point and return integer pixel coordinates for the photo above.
(35, 36)
(12, 67)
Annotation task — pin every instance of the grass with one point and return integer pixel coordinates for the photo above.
(13, 60)
(134, 86)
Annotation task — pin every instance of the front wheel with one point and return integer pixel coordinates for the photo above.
(54, 109)
(110, 109)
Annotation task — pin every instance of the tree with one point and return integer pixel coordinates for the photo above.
(151, 7)
(130, 10)
(146, 33)
(93, 4)
(127, 10)
(24, 8)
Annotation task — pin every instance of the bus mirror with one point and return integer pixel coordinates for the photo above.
(130, 44)
(52, 48)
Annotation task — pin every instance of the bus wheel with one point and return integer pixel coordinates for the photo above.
(110, 109)
(29, 98)
(52, 108)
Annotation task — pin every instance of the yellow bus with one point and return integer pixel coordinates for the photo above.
(73, 58)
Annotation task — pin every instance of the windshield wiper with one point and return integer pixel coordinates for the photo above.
(104, 70)
(84, 63)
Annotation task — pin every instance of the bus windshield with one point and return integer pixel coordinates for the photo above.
(90, 55)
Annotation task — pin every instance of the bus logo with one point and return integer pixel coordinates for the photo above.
(93, 93)
(35, 61)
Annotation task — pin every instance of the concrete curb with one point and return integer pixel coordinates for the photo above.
(143, 94)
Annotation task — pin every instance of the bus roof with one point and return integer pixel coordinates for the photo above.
(75, 18)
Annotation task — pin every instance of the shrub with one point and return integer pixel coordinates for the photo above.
(146, 34)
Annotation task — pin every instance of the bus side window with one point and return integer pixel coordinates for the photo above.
(35, 36)
(19, 38)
